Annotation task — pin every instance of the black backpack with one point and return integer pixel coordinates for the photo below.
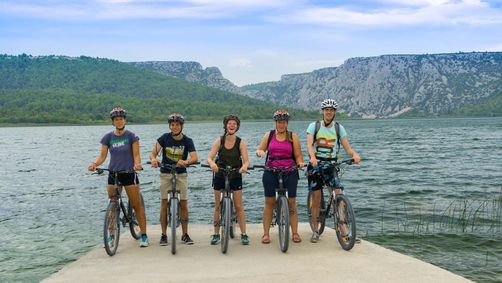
(337, 130)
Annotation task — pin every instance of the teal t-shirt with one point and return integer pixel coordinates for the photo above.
(325, 140)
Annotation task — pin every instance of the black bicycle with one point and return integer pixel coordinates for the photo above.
(342, 213)
(111, 230)
(281, 207)
(173, 203)
(228, 216)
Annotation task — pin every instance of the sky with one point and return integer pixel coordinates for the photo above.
(250, 41)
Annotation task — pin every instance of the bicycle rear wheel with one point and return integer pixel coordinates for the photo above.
(321, 219)
(345, 222)
(226, 223)
(283, 223)
(173, 221)
(133, 221)
(111, 229)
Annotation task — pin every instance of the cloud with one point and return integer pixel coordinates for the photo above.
(416, 12)
(240, 62)
(137, 9)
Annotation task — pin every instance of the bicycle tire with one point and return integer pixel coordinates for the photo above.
(283, 223)
(321, 218)
(173, 219)
(346, 241)
(225, 227)
(133, 221)
(111, 228)
(233, 221)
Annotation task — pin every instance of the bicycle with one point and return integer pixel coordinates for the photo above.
(111, 229)
(228, 216)
(281, 207)
(343, 214)
(173, 207)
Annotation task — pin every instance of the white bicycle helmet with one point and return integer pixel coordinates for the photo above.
(329, 103)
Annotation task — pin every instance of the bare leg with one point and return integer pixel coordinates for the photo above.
(240, 210)
(135, 199)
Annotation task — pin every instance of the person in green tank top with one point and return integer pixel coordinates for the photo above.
(230, 150)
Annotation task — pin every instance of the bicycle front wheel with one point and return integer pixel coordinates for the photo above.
(173, 221)
(111, 230)
(345, 222)
(233, 221)
(226, 223)
(283, 223)
(133, 221)
(321, 219)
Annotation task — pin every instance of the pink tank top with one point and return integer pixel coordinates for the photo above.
(280, 149)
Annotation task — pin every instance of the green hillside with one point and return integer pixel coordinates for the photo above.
(58, 89)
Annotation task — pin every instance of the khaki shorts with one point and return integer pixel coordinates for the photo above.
(181, 185)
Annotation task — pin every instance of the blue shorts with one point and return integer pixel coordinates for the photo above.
(271, 182)
(235, 183)
(125, 179)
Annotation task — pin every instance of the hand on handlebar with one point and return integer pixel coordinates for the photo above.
(214, 167)
(155, 163)
(260, 153)
(92, 166)
(243, 169)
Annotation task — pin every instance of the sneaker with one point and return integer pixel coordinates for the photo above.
(315, 237)
(215, 239)
(143, 243)
(186, 239)
(244, 239)
(163, 240)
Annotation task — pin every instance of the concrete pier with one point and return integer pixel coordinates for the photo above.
(324, 261)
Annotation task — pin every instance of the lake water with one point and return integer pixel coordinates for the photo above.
(429, 188)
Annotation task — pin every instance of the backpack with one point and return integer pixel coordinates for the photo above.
(337, 130)
(271, 134)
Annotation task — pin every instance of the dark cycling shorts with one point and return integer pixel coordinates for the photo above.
(235, 183)
(125, 179)
(318, 177)
(271, 182)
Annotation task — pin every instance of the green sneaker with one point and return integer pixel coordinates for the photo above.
(215, 239)
(244, 239)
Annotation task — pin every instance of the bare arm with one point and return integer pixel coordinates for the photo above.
(136, 155)
(101, 158)
(212, 155)
(348, 149)
(310, 149)
(245, 159)
(154, 154)
(297, 150)
(260, 152)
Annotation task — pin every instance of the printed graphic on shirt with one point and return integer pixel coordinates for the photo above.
(175, 153)
(118, 142)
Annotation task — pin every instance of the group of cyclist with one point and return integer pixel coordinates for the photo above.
(280, 147)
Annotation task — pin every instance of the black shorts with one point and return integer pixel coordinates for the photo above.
(271, 182)
(125, 179)
(235, 183)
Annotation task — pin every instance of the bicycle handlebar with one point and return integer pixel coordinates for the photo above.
(172, 167)
(336, 163)
(100, 171)
(226, 169)
(277, 169)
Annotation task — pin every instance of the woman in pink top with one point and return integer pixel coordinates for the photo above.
(284, 150)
